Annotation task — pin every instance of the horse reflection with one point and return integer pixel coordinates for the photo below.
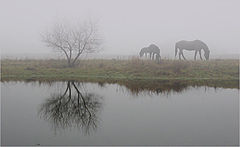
(166, 87)
(155, 87)
(72, 109)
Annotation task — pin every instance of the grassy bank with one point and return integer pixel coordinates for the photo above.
(119, 69)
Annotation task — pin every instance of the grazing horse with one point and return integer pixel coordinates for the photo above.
(152, 50)
(196, 45)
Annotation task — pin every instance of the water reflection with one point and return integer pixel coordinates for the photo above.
(149, 87)
(72, 109)
(152, 88)
(74, 112)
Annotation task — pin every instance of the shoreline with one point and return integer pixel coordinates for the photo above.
(112, 69)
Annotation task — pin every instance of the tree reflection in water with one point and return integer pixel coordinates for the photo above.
(72, 109)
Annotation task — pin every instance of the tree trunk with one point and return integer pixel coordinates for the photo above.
(71, 64)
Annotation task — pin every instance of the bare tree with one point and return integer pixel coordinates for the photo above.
(73, 40)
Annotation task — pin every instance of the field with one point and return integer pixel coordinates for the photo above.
(119, 69)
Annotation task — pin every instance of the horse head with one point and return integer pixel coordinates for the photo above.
(206, 54)
(142, 52)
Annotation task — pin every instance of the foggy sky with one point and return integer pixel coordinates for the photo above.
(126, 25)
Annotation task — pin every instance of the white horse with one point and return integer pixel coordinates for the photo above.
(196, 45)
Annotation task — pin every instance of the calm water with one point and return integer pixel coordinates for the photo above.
(71, 113)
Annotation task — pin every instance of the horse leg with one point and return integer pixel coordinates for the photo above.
(153, 56)
(179, 54)
(183, 55)
(159, 58)
(150, 55)
(195, 55)
(200, 54)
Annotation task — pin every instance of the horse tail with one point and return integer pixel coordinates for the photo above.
(176, 49)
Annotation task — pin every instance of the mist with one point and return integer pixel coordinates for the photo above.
(126, 25)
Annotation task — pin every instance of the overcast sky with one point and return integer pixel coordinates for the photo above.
(126, 25)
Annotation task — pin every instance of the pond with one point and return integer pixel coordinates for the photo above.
(84, 113)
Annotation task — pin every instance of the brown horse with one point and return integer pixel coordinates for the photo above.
(153, 50)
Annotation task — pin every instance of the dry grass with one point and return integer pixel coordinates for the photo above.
(133, 69)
